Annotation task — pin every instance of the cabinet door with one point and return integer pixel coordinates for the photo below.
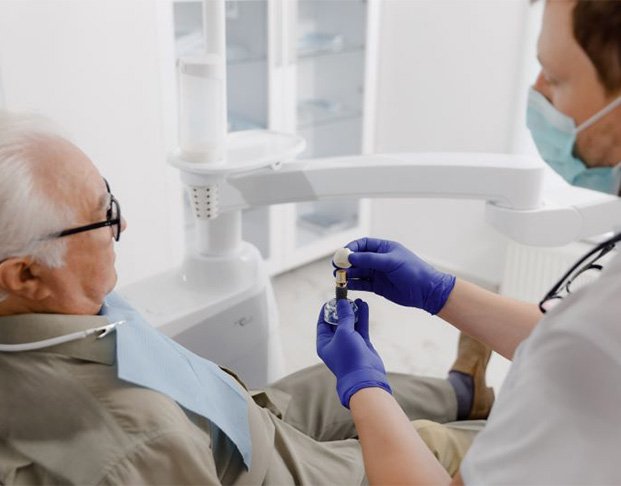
(295, 66)
(331, 74)
(247, 51)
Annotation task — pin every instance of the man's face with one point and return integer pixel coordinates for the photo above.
(568, 79)
(88, 275)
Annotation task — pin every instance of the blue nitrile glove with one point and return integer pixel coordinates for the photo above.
(389, 269)
(347, 350)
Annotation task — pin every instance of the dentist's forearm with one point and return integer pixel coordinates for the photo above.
(500, 322)
(392, 450)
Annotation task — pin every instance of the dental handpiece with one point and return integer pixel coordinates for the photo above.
(341, 284)
(341, 262)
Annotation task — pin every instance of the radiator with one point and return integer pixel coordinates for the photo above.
(530, 272)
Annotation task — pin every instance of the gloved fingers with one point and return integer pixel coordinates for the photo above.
(362, 326)
(345, 316)
(325, 331)
(355, 245)
(367, 244)
(353, 272)
(374, 261)
(321, 321)
(363, 285)
(364, 273)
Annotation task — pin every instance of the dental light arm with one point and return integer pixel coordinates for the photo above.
(526, 201)
(510, 181)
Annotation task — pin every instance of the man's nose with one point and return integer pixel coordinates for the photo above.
(541, 85)
(123, 224)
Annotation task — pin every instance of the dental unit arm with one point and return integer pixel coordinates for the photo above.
(220, 302)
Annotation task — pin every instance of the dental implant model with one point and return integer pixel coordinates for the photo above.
(341, 261)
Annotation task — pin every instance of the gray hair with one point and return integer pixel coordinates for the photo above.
(27, 215)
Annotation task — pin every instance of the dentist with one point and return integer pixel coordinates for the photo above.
(556, 420)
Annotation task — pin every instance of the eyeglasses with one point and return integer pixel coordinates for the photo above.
(582, 272)
(113, 219)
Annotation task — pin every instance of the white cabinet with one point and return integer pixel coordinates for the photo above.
(303, 67)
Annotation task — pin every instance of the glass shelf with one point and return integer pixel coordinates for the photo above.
(311, 42)
(193, 43)
(238, 123)
(314, 112)
(351, 49)
(315, 44)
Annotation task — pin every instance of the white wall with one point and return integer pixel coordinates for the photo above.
(449, 80)
(93, 66)
(1, 92)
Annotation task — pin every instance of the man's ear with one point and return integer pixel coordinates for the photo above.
(20, 276)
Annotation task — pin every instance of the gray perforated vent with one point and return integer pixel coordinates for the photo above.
(204, 201)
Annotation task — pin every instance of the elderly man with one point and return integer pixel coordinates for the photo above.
(82, 403)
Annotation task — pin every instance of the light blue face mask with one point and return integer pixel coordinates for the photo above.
(554, 134)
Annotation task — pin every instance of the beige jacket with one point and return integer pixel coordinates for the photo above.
(65, 418)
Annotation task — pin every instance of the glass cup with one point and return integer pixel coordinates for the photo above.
(330, 315)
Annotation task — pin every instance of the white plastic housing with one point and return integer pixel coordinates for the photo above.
(507, 180)
(202, 108)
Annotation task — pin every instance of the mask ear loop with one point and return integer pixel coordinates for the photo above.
(599, 115)
(74, 336)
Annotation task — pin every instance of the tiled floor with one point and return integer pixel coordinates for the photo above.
(408, 340)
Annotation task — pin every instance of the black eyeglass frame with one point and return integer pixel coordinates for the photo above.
(102, 224)
(566, 280)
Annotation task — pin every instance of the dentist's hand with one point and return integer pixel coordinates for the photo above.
(347, 350)
(389, 269)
